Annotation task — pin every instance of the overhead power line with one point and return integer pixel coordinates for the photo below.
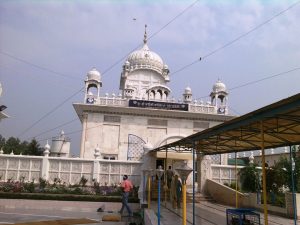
(59, 126)
(151, 36)
(265, 78)
(37, 66)
(63, 75)
(236, 39)
(50, 112)
(259, 80)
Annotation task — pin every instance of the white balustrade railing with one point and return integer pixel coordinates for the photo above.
(200, 108)
(111, 101)
(224, 173)
(67, 170)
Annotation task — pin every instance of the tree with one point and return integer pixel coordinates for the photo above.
(249, 176)
(12, 145)
(2, 141)
(33, 148)
(280, 175)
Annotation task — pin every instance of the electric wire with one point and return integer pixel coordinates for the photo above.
(37, 66)
(177, 71)
(259, 80)
(233, 110)
(73, 132)
(50, 112)
(113, 65)
(151, 36)
(236, 39)
(59, 85)
(47, 131)
(265, 78)
(239, 86)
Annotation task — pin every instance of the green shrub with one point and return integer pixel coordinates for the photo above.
(29, 187)
(232, 185)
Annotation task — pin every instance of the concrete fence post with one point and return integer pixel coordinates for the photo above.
(45, 168)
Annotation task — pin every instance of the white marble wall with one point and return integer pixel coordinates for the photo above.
(68, 170)
(112, 137)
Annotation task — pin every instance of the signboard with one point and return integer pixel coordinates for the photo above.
(158, 105)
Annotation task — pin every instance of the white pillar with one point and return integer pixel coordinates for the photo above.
(205, 172)
(96, 170)
(83, 136)
(45, 168)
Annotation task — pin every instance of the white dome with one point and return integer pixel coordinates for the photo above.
(148, 146)
(144, 58)
(188, 90)
(219, 86)
(94, 75)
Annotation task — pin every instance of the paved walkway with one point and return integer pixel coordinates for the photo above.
(14, 210)
(209, 214)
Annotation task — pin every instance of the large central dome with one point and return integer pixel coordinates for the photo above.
(144, 58)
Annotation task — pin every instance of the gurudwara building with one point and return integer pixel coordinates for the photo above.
(118, 127)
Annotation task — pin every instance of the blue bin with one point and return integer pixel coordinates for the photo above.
(242, 217)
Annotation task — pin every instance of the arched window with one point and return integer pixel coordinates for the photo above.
(160, 95)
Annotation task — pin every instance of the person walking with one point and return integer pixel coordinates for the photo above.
(170, 175)
(126, 186)
(176, 192)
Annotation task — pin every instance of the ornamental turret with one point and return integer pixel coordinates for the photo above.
(92, 86)
(219, 97)
(187, 95)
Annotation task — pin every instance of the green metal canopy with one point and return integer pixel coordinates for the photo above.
(279, 123)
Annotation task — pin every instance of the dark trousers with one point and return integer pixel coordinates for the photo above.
(125, 203)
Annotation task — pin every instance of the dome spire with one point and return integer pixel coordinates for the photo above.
(145, 34)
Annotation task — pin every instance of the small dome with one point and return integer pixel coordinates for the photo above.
(148, 146)
(166, 67)
(219, 86)
(127, 63)
(94, 75)
(188, 90)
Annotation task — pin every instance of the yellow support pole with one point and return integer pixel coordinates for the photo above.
(184, 203)
(149, 191)
(236, 184)
(264, 172)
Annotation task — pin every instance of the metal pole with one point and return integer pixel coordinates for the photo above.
(264, 172)
(149, 191)
(158, 203)
(193, 183)
(293, 186)
(183, 202)
(144, 187)
(236, 184)
(166, 178)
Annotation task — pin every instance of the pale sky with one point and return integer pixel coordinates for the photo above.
(71, 37)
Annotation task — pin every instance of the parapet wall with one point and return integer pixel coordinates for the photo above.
(67, 170)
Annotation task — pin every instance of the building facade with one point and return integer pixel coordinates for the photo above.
(117, 127)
